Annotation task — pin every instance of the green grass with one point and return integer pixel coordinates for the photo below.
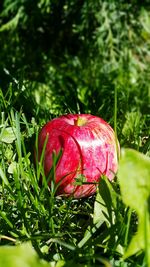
(95, 231)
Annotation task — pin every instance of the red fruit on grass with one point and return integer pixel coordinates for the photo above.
(89, 150)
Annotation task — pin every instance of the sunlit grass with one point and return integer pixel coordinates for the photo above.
(59, 228)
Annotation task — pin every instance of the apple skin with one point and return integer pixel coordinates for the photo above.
(88, 146)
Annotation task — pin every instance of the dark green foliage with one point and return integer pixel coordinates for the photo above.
(79, 51)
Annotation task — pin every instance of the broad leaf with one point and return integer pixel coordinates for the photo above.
(7, 135)
(21, 256)
(134, 180)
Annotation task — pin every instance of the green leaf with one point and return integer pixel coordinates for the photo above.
(134, 180)
(12, 167)
(3, 176)
(13, 23)
(105, 202)
(7, 135)
(88, 234)
(21, 255)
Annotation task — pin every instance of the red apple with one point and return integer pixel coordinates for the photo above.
(89, 150)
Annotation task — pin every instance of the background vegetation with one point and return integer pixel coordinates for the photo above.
(59, 57)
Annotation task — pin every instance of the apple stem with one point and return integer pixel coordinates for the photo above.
(80, 121)
(76, 121)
